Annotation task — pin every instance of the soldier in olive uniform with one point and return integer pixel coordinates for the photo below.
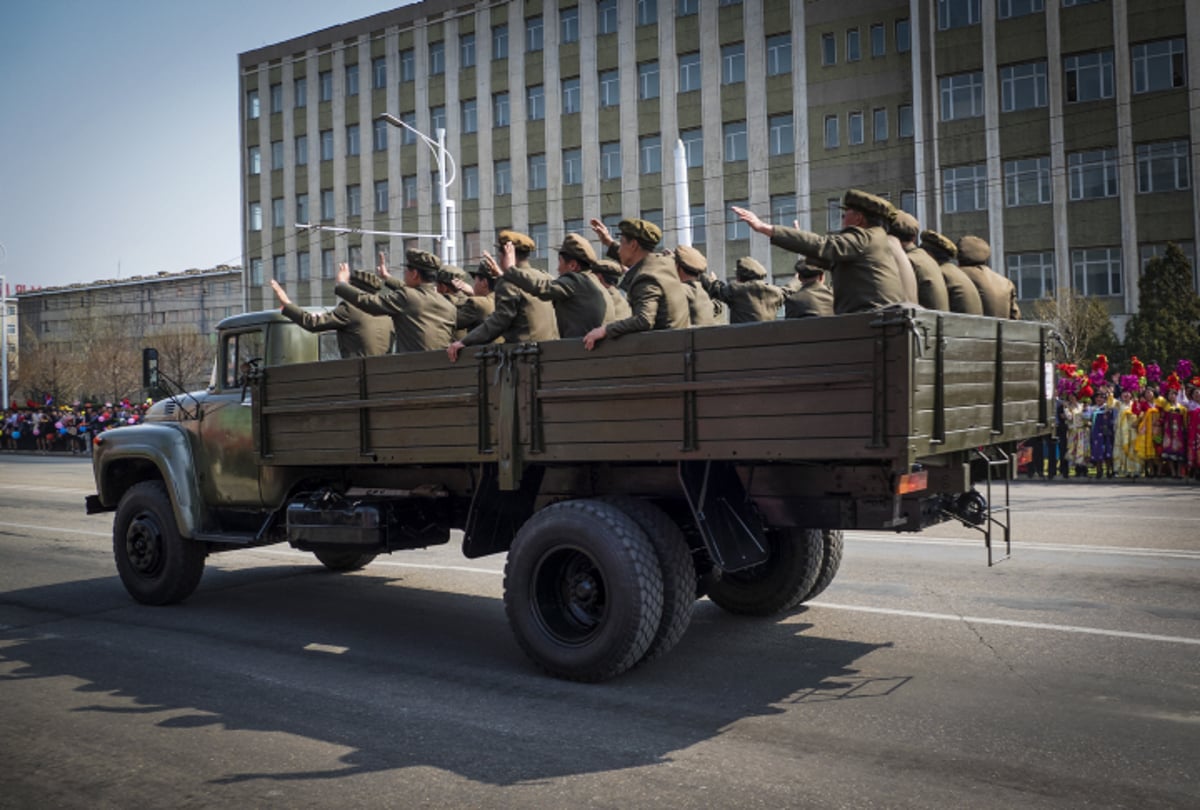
(518, 317)
(609, 272)
(690, 265)
(931, 285)
(481, 303)
(656, 295)
(960, 291)
(452, 283)
(422, 317)
(997, 293)
(358, 334)
(809, 296)
(580, 301)
(750, 297)
(865, 276)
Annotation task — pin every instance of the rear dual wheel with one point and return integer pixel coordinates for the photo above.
(791, 574)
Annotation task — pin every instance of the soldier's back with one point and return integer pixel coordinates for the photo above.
(961, 291)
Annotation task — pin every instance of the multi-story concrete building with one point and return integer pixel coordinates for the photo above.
(1066, 132)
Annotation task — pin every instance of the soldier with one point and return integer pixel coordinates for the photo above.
(931, 285)
(865, 276)
(997, 293)
(611, 245)
(358, 334)
(481, 303)
(609, 272)
(750, 297)
(809, 296)
(518, 317)
(690, 265)
(423, 319)
(452, 283)
(656, 296)
(580, 300)
(960, 291)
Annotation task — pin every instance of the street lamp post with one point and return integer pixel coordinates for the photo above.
(449, 244)
(4, 338)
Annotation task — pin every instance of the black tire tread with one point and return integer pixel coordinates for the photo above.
(779, 584)
(185, 561)
(831, 560)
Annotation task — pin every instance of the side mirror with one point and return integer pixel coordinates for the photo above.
(150, 369)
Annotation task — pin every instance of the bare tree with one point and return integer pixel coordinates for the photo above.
(1083, 323)
(114, 363)
(185, 357)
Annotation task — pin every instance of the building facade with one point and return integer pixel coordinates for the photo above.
(1066, 132)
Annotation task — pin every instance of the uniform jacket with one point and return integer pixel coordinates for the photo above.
(358, 334)
(474, 310)
(657, 299)
(518, 316)
(865, 276)
(700, 306)
(908, 275)
(997, 293)
(931, 285)
(749, 301)
(961, 292)
(620, 305)
(422, 316)
(807, 300)
(580, 300)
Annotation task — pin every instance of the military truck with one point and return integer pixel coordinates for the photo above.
(623, 483)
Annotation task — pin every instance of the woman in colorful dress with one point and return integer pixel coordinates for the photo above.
(1193, 432)
(1174, 435)
(1147, 424)
(1103, 418)
(1125, 460)
(1078, 435)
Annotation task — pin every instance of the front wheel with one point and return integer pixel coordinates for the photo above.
(782, 582)
(157, 565)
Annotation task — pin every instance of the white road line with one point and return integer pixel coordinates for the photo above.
(49, 489)
(53, 529)
(1062, 628)
(1021, 545)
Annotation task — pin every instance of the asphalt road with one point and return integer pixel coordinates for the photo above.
(1067, 676)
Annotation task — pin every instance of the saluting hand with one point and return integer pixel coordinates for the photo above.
(343, 273)
(492, 267)
(601, 231)
(751, 219)
(381, 266)
(279, 293)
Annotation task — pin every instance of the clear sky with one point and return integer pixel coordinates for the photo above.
(119, 149)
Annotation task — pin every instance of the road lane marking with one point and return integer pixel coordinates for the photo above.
(53, 529)
(48, 489)
(1020, 545)
(950, 617)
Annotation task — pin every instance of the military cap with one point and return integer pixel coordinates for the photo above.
(869, 204)
(811, 266)
(449, 274)
(365, 281)
(519, 240)
(482, 269)
(939, 242)
(905, 226)
(972, 250)
(646, 233)
(609, 269)
(422, 260)
(691, 260)
(748, 268)
(576, 247)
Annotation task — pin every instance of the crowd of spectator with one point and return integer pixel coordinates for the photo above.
(53, 428)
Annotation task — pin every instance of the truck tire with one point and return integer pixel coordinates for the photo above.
(344, 560)
(780, 583)
(675, 561)
(583, 590)
(831, 560)
(157, 565)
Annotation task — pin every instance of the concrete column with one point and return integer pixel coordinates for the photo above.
(366, 157)
(668, 113)
(631, 197)
(804, 203)
(928, 203)
(759, 186)
(991, 124)
(483, 105)
(313, 142)
(517, 142)
(1193, 65)
(589, 107)
(714, 136)
(395, 243)
(552, 95)
(1126, 165)
(1059, 191)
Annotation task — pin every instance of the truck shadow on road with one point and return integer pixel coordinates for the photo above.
(391, 675)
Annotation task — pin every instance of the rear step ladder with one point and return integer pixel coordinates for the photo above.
(996, 517)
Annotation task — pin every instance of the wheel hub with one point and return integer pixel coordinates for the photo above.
(143, 544)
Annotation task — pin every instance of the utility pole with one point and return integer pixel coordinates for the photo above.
(4, 338)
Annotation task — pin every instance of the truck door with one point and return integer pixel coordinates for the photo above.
(227, 466)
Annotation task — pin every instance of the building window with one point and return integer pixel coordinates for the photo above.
(1159, 66)
(277, 98)
(470, 182)
(957, 13)
(302, 208)
(1069, 3)
(689, 72)
(650, 154)
(535, 102)
(856, 127)
(253, 107)
(407, 137)
(903, 36)
(779, 55)
(687, 8)
(303, 263)
(379, 136)
(327, 144)
(327, 207)
(408, 191)
(1096, 271)
(300, 91)
(502, 177)
(254, 159)
(570, 95)
(500, 109)
(606, 17)
(1153, 251)
(908, 202)
(256, 276)
(832, 137)
(534, 41)
(780, 137)
(354, 201)
(1089, 76)
(352, 80)
(1027, 182)
(610, 88)
(381, 196)
(572, 169)
(470, 116)
(500, 42)
(325, 80)
(568, 24)
(878, 40)
(735, 141)
(647, 12)
(1006, 9)
(964, 188)
(1022, 87)
(699, 220)
(301, 150)
(276, 154)
(1092, 175)
(277, 212)
(853, 45)
(1032, 274)
(833, 214)
(735, 228)
(466, 50)
(379, 73)
(437, 58)
(255, 217)
(783, 209)
(879, 124)
(610, 160)
(1163, 167)
(648, 80)
(537, 172)
(408, 69)
(962, 96)
(828, 49)
(279, 269)
(693, 147)
(733, 63)
(904, 118)
(352, 141)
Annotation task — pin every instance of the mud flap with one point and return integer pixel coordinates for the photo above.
(726, 518)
